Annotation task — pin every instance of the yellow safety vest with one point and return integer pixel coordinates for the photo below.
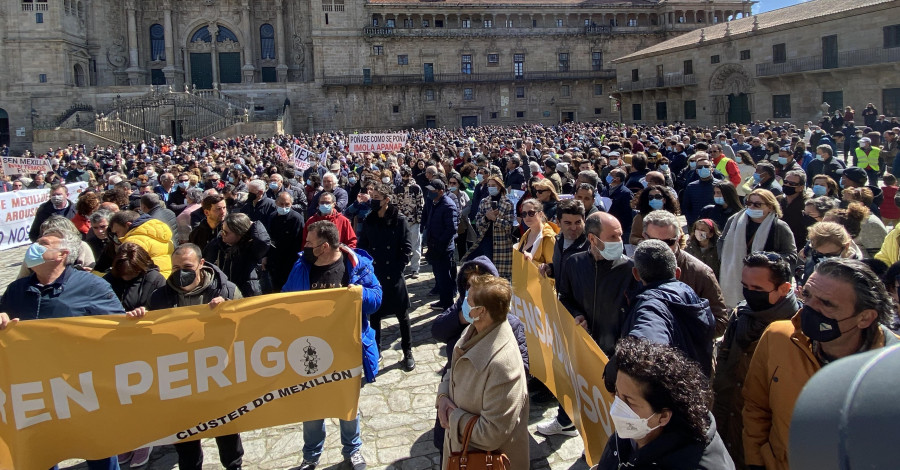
(721, 166)
(871, 160)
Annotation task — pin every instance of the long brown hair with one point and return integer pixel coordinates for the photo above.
(131, 259)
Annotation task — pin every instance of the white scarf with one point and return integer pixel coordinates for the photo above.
(734, 250)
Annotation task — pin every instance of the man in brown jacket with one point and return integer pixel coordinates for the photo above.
(663, 225)
(846, 308)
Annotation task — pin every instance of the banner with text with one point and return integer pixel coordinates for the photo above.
(17, 209)
(94, 387)
(563, 356)
(377, 142)
(302, 157)
(25, 166)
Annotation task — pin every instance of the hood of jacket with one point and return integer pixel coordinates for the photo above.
(877, 196)
(481, 261)
(146, 226)
(691, 311)
(210, 276)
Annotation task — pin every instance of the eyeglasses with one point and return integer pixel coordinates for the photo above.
(667, 241)
(756, 204)
(789, 183)
(656, 196)
(524, 214)
(541, 191)
(703, 166)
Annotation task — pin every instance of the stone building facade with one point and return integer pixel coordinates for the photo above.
(328, 64)
(785, 65)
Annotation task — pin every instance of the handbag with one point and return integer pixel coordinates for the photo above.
(477, 460)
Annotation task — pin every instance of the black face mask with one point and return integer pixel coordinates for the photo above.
(818, 327)
(757, 300)
(183, 277)
(375, 204)
(251, 197)
(308, 255)
(789, 190)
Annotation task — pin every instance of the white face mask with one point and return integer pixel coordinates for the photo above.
(628, 424)
(700, 234)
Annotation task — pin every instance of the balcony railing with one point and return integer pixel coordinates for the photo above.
(668, 81)
(817, 63)
(386, 31)
(466, 78)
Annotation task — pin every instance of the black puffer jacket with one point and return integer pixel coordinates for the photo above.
(136, 292)
(241, 263)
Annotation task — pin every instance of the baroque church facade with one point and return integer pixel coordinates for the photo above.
(319, 64)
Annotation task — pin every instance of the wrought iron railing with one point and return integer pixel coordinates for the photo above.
(386, 31)
(668, 81)
(857, 58)
(442, 78)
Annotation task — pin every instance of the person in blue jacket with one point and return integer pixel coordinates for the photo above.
(56, 289)
(327, 264)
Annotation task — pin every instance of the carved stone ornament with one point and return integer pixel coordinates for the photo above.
(299, 51)
(731, 79)
(115, 53)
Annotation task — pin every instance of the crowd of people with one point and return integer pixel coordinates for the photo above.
(707, 263)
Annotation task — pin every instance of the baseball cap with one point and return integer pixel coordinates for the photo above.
(855, 174)
(436, 185)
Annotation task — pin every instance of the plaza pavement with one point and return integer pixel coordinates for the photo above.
(397, 411)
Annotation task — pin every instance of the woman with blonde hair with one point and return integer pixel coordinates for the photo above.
(757, 228)
(872, 230)
(545, 192)
(538, 241)
(828, 240)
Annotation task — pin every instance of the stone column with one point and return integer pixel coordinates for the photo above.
(135, 73)
(171, 70)
(214, 53)
(282, 68)
(248, 70)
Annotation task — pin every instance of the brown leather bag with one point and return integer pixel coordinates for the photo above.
(477, 460)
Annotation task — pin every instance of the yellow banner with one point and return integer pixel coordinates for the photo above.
(563, 356)
(93, 387)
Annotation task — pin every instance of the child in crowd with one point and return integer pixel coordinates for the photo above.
(890, 214)
(702, 243)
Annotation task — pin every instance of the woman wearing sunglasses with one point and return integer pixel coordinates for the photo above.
(539, 240)
(757, 228)
(651, 198)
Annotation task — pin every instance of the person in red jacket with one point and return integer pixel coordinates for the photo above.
(890, 214)
(327, 211)
(725, 165)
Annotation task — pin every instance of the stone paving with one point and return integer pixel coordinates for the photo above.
(397, 411)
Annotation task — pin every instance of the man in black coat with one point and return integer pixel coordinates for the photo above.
(439, 227)
(152, 206)
(259, 207)
(286, 232)
(58, 204)
(215, 210)
(277, 187)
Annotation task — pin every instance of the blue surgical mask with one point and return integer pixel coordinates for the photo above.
(704, 173)
(35, 255)
(841, 183)
(283, 210)
(352, 180)
(609, 179)
(656, 204)
(479, 177)
(756, 177)
(820, 158)
(664, 167)
(613, 163)
(453, 187)
(466, 311)
(325, 209)
(273, 186)
(782, 160)
(819, 190)
(719, 200)
(309, 182)
(737, 158)
(493, 190)
(755, 213)
(693, 165)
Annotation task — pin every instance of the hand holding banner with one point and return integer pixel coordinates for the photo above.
(563, 356)
(93, 387)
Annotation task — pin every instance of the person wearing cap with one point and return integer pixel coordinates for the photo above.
(551, 173)
(868, 157)
(854, 177)
(724, 164)
(77, 172)
(439, 225)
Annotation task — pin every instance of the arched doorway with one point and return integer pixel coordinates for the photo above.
(730, 88)
(216, 61)
(78, 72)
(4, 127)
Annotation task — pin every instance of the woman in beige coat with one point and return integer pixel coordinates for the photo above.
(486, 378)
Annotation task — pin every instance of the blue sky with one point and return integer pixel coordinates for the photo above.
(769, 5)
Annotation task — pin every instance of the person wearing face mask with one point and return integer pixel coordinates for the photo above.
(58, 204)
(277, 186)
(259, 207)
(385, 238)
(764, 178)
(868, 157)
(652, 198)
(846, 310)
(766, 280)
(494, 223)
(824, 164)
(58, 290)
(326, 211)
(150, 234)
(327, 263)
(194, 281)
(758, 228)
(486, 360)
(621, 198)
(661, 412)
(440, 225)
(286, 232)
(592, 286)
(702, 243)
(793, 201)
(698, 194)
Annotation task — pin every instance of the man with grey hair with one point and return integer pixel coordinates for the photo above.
(329, 185)
(277, 186)
(666, 310)
(156, 209)
(663, 225)
(259, 207)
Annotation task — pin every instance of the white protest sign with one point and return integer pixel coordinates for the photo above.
(17, 210)
(376, 142)
(25, 166)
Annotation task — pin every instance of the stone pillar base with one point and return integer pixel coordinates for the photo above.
(248, 72)
(282, 71)
(136, 76)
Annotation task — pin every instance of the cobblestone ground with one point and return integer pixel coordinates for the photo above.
(397, 411)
